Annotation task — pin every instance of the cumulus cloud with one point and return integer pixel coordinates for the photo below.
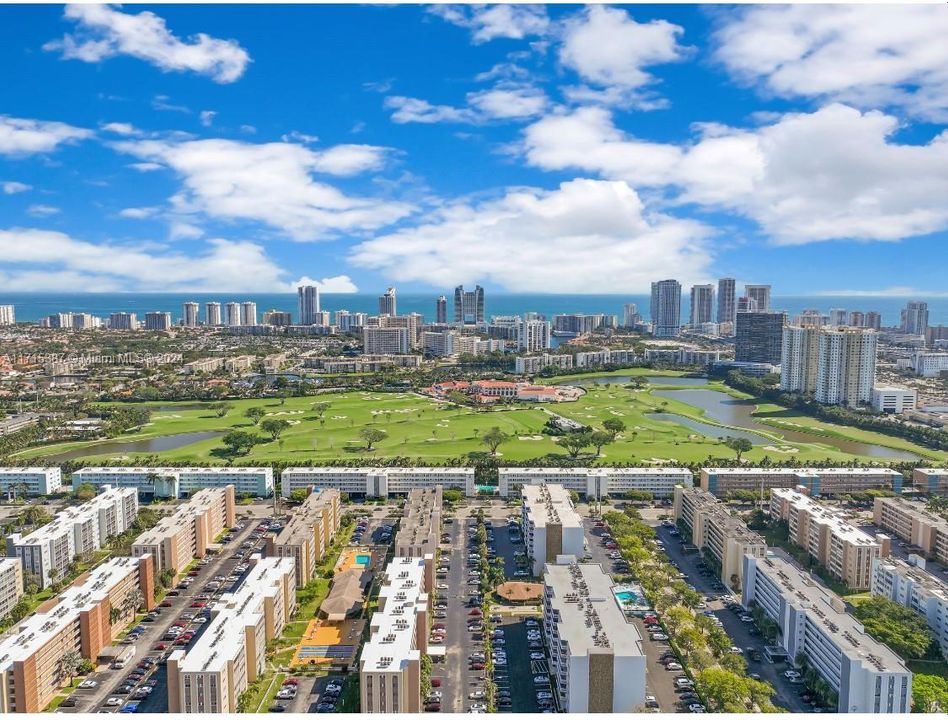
(121, 128)
(104, 32)
(272, 183)
(416, 110)
(504, 101)
(207, 117)
(867, 55)
(36, 260)
(338, 284)
(12, 187)
(489, 22)
(831, 174)
(533, 240)
(22, 136)
(138, 213)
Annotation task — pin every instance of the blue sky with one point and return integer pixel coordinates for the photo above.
(560, 149)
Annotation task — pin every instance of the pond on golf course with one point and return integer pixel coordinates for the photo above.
(144, 446)
(652, 379)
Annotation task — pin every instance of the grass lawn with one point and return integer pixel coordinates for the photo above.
(422, 429)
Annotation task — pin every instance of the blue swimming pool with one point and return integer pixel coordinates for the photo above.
(626, 596)
(363, 560)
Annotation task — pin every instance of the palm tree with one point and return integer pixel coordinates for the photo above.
(69, 664)
(115, 614)
(132, 601)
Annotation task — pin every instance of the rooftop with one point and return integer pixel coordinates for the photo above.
(200, 503)
(299, 528)
(838, 524)
(70, 516)
(919, 576)
(801, 471)
(21, 470)
(421, 520)
(393, 627)
(549, 504)
(126, 470)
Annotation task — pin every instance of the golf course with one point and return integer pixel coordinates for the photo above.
(661, 425)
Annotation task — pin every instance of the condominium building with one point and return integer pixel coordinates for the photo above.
(910, 585)
(727, 300)
(277, 318)
(713, 529)
(930, 364)
(817, 481)
(702, 304)
(33, 481)
(212, 314)
(390, 664)
(930, 480)
(846, 368)
(388, 302)
(597, 659)
(915, 318)
(7, 315)
(759, 336)
(438, 344)
(532, 364)
(386, 340)
(630, 315)
(186, 534)
(157, 320)
(843, 549)
(912, 522)
(420, 529)
(248, 313)
(893, 400)
(47, 551)
(189, 314)
(307, 297)
(11, 584)
(551, 525)
(210, 675)
(665, 308)
(468, 305)
(78, 619)
(760, 294)
(308, 533)
(865, 674)
(123, 321)
(177, 481)
(377, 482)
(596, 482)
(534, 335)
(441, 311)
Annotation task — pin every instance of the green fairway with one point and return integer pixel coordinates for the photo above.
(418, 427)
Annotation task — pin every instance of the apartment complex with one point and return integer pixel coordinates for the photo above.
(551, 525)
(912, 522)
(665, 308)
(713, 529)
(390, 664)
(230, 654)
(179, 538)
(930, 480)
(377, 482)
(596, 482)
(11, 584)
(78, 619)
(420, 528)
(596, 656)
(308, 533)
(843, 549)
(177, 481)
(759, 336)
(47, 551)
(32, 481)
(817, 481)
(916, 589)
(867, 676)
(836, 364)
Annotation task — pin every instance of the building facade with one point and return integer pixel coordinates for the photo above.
(178, 481)
(702, 304)
(377, 482)
(759, 336)
(665, 308)
(31, 481)
(596, 482)
(468, 305)
(308, 533)
(913, 523)
(551, 525)
(916, 589)
(307, 303)
(817, 481)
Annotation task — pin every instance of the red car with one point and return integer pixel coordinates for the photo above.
(198, 604)
(611, 546)
(475, 611)
(477, 666)
(435, 682)
(291, 681)
(181, 641)
(166, 603)
(161, 646)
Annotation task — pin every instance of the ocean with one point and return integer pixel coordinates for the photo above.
(34, 306)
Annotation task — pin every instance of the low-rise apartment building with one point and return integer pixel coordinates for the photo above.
(420, 529)
(78, 619)
(11, 584)
(714, 530)
(596, 482)
(211, 674)
(179, 538)
(818, 481)
(916, 589)
(377, 482)
(31, 481)
(551, 525)
(912, 522)
(930, 480)
(179, 481)
(843, 549)
(596, 657)
(866, 675)
(390, 664)
(47, 551)
(308, 533)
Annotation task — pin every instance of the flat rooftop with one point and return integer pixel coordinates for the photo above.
(363, 471)
(26, 470)
(393, 628)
(128, 470)
(299, 528)
(170, 525)
(920, 509)
(549, 504)
(919, 576)
(601, 471)
(590, 616)
(802, 471)
(421, 519)
(839, 526)
(68, 517)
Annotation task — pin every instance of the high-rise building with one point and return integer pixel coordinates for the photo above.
(212, 313)
(857, 318)
(386, 341)
(702, 304)
(915, 318)
(727, 300)
(123, 321)
(189, 314)
(799, 359)
(388, 302)
(232, 314)
(441, 311)
(248, 313)
(534, 335)
(666, 308)
(277, 318)
(7, 315)
(873, 320)
(307, 297)
(760, 294)
(468, 306)
(630, 315)
(838, 317)
(759, 337)
(157, 320)
(84, 321)
(746, 304)
(845, 364)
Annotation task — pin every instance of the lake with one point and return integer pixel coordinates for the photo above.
(652, 379)
(135, 447)
(708, 430)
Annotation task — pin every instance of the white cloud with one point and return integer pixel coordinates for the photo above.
(504, 101)
(146, 166)
(587, 236)
(184, 231)
(104, 32)
(897, 291)
(39, 210)
(45, 260)
(489, 22)
(605, 46)
(121, 128)
(207, 117)
(11, 187)
(867, 55)
(297, 136)
(138, 213)
(161, 102)
(272, 183)
(416, 110)
(20, 136)
(825, 175)
(338, 284)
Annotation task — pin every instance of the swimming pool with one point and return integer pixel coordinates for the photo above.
(363, 560)
(630, 597)
(626, 596)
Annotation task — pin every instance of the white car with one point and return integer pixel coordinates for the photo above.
(791, 674)
(537, 656)
(477, 695)
(442, 586)
(113, 701)
(88, 684)
(478, 707)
